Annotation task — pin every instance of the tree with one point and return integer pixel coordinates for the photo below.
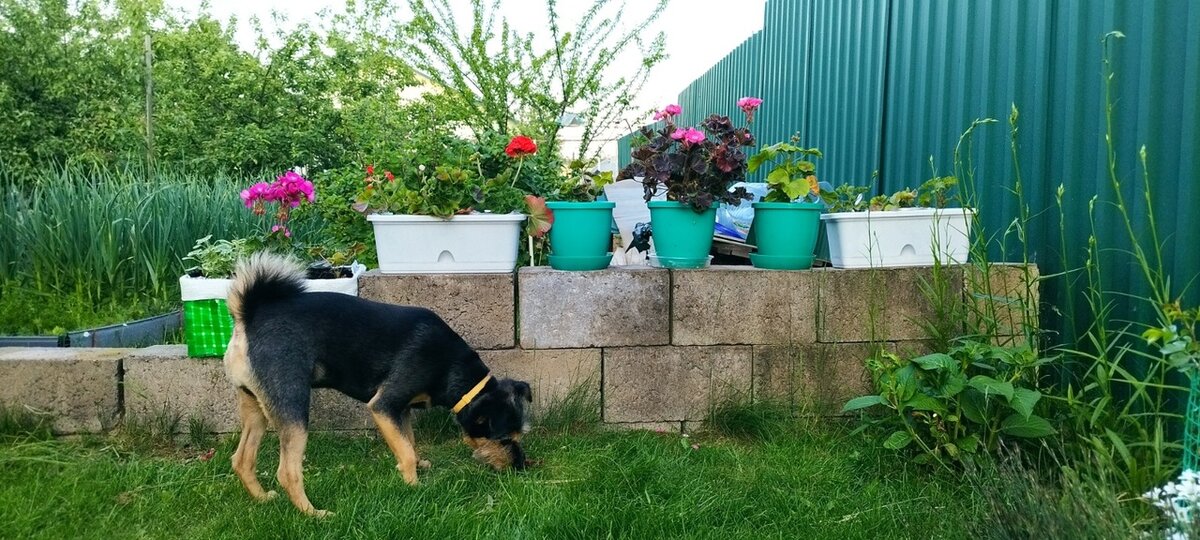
(492, 78)
(72, 88)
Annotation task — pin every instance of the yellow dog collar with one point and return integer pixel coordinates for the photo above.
(466, 399)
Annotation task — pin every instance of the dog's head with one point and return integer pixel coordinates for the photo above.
(495, 420)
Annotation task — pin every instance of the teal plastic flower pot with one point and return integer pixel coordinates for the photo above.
(681, 235)
(785, 234)
(581, 235)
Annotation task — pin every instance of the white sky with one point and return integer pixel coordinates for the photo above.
(698, 32)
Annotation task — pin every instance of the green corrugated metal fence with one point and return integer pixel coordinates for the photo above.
(887, 85)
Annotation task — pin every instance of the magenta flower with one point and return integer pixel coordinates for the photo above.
(689, 136)
(748, 105)
(289, 190)
(669, 112)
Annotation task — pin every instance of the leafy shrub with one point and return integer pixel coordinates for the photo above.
(956, 406)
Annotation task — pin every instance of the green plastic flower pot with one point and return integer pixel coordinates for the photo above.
(785, 234)
(581, 235)
(681, 235)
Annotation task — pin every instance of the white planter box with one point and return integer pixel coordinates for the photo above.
(202, 288)
(909, 237)
(474, 243)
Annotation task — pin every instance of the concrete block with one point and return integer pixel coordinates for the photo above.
(817, 378)
(615, 307)
(163, 380)
(552, 374)
(77, 387)
(672, 384)
(882, 304)
(480, 307)
(742, 305)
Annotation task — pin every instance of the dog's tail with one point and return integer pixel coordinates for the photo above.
(261, 279)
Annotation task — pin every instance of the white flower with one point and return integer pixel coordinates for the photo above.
(1176, 500)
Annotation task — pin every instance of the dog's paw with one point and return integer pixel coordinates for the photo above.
(320, 514)
(424, 464)
(270, 495)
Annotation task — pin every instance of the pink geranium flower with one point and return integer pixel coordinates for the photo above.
(668, 113)
(689, 136)
(748, 105)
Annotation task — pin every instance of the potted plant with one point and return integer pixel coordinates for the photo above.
(694, 168)
(205, 285)
(787, 220)
(581, 223)
(447, 217)
(907, 228)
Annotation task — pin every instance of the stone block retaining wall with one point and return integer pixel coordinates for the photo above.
(657, 347)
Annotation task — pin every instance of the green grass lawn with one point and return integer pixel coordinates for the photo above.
(804, 481)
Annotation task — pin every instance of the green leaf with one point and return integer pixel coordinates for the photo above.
(906, 383)
(953, 385)
(969, 444)
(1023, 401)
(898, 440)
(778, 177)
(936, 362)
(922, 402)
(990, 386)
(972, 405)
(862, 402)
(1030, 428)
(763, 156)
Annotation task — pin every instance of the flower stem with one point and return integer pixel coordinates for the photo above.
(516, 175)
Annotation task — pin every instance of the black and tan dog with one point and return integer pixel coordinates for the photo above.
(287, 341)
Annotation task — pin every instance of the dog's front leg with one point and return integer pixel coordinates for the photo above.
(391, 427)
(407, 431)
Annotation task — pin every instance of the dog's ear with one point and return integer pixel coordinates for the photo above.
(523, 390)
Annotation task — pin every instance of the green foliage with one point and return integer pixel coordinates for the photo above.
(741, 418)
(959, 405)
(21, 424)
(1053, 501)
(80, 243)
(933, 193)
(217, 259)
(74, 88)
(495, 80)
(1120, 406)
(442, 191)
(793, 177)
(846, 198)
(582, 182)
(1176, 341)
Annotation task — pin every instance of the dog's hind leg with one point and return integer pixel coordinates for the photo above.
(392, 427)
(293, 438)
(254, 425)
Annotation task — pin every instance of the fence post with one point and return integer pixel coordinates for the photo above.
(149, 77)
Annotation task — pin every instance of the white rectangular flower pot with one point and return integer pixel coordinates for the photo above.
(473, 243)
(202, 288)
(897, 238)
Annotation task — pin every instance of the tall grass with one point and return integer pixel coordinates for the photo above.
(79, 243)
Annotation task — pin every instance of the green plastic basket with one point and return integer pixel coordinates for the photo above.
(1191, 429)
(207, 327)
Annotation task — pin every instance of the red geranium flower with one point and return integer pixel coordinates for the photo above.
(390, 177)
(370, 169)
(520, 146)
